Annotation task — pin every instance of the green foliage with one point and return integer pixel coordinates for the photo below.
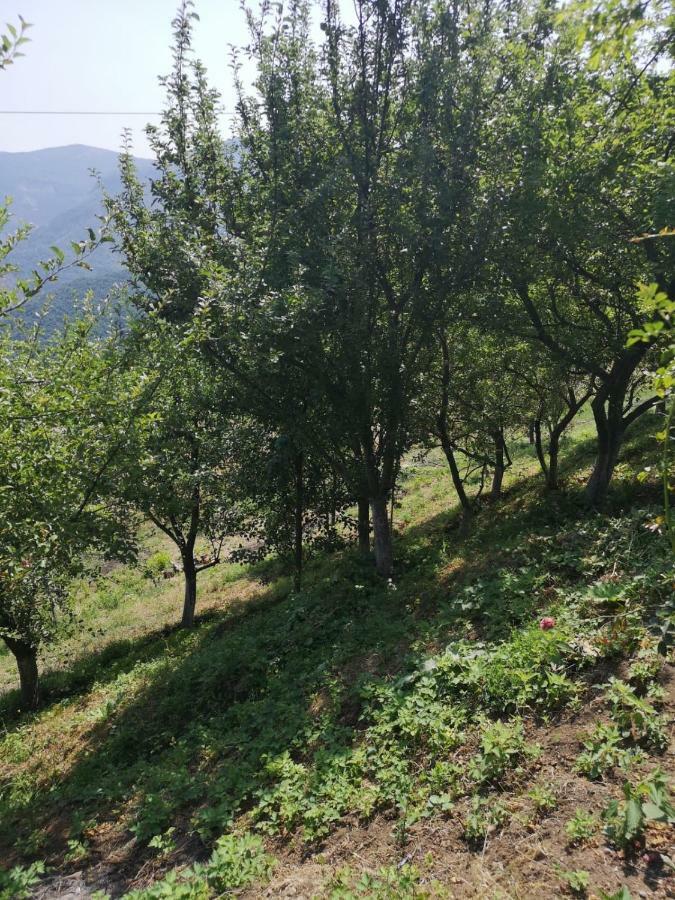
(256, 712)
(11, 40)
(16, 883)
(237, 861)
(61, 430)
(484, 815)
(604, 749)
(576, 880)
(581, 827)
(502, 746)
(429, 229)
(655, 302)
(622, 894)
(635, 718)
(389, 883)
(645, 669)
(647, 800)
(157, 563)
(544, 798)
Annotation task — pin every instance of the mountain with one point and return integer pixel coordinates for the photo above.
(55, 191)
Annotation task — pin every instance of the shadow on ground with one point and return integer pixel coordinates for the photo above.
(192, 728)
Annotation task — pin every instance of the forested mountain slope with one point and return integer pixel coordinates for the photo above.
(54, 191)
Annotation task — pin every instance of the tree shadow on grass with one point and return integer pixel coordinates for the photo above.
(115, 658)
(187, 721)
(194, 727)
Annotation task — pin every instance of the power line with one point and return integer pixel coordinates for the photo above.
(83, 112)
(74, 112)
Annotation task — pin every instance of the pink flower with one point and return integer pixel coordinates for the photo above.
(546, 623)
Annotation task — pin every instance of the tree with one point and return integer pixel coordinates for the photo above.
(558, 396)
(181, 462)
(585, 159)
(179, 232)
(62, 426)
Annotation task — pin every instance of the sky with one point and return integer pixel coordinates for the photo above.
(104, 55)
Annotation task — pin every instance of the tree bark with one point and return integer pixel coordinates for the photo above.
(553, 453)
(384, 556)
(610, 428)
(457, 482)
(498, 476)
(190, 601)
(364, 525)
(539, 447)
(299, 510)
(26, 661)
(442, 429)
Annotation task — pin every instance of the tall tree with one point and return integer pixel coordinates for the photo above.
(585, 157)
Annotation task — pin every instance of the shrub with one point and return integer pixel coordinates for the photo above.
(16, 883)
(157, 563)
(603, 750)
(581, 827)
(502, 746)
(636, 718)
(648, 800)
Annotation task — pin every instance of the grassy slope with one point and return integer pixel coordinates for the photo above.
(352, 726)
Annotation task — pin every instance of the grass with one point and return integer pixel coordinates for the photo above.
(296, 726)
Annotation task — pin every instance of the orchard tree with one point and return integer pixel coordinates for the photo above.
(474, 399)
(181, 464)
(62, 428)
(556, 395)
(583, 165)
(660, 312)
(300, 505)
(342, 153)
(178, 231)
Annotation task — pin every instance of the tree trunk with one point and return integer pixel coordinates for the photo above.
(456, 477)
(190, 601)
(539, 447)
(610, 429)
(498, 476)
(443, 432)
(553, 451)
(299, 509)
(364, 525)
(26, 662)
(384, 556)
(550, 468)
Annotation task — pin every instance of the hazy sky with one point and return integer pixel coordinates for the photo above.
(103, 55)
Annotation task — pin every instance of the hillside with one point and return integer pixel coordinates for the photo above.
(54, 190)
(461, 731)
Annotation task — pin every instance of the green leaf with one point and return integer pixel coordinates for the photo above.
(634, 818)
